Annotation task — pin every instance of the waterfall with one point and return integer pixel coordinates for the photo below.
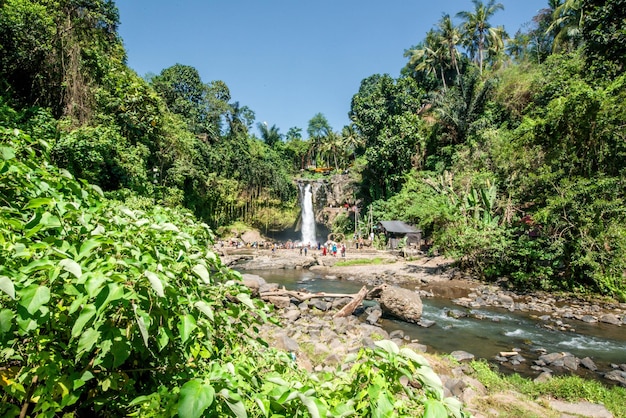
(308, 218)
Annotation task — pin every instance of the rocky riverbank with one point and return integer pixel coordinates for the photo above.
(320, 342)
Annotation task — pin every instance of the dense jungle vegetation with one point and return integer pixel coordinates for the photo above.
(508, 151)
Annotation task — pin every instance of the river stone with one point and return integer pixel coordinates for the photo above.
(284, 342)
(570, 362)
(397, 333)
(543, 377)
(425, 323)
(550, 358)
(461, 355)
(456, 314)
(291, 315)
(610, 319)
(401, 303)
(373, 316)
(583, 409)
(319, 304)
(618, 376)
(588, 364)
(590, 319)
(279, 302)
(505, 300)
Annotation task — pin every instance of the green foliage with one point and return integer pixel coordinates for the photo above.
(102, 303)
(114, 311)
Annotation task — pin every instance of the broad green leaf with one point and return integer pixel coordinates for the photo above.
(167, 226)
(412, 355)
(195, 398)
(245, 299)
(72, 267)
(163, 338)
(88, 312)
(88, 339)
(202, 273)
(388, 345)
(205, 308)
(311, 406)
(234, 403)
(112, 292)
(34, 297)
(121, 351)
(383, 407)
(36, 265)
(455, 406)
(186, 325)
(7, 153)
(6, 320)
(87, 247)
(433, 408)
(431, 380)
(39, 202)
(141, 323)
(155, 282)
(6, 285)
(94, 284)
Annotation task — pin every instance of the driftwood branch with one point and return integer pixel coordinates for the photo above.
(357, 298)
(356, 302)
(302, 296)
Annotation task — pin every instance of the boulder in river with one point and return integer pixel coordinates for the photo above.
(398, 302)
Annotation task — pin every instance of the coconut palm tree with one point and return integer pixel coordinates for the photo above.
(567, 23)
(430, 57)
(476, 28)
(450, 38)
(269, 135)
(351, 139)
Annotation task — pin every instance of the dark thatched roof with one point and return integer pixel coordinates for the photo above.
(398, 227)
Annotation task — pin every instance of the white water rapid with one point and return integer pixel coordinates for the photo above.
(308, 218)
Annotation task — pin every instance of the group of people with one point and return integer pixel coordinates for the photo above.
(331, 249)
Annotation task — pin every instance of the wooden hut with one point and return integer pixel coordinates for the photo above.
(397, 231)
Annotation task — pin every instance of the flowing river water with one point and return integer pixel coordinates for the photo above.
(485, 332)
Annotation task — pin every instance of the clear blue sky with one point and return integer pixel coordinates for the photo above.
(290, 59)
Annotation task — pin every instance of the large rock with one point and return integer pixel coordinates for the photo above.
(400, 303)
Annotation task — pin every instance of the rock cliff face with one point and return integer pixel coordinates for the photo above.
(330, 195)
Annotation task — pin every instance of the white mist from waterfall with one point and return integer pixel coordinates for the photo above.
(308, 218)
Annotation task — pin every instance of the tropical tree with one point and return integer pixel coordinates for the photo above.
(319, 129)
(201, 105)
(566, 26)
(476, 29)
(450, 38)
(352, 140)
(430, 56)
(604, 35)
(269, 135)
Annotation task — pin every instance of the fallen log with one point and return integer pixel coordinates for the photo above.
(302, 296)
(357, 298)
(356, 302)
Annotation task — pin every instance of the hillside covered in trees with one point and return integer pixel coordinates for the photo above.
(507, 149)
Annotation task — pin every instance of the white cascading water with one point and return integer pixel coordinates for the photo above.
(308, 218)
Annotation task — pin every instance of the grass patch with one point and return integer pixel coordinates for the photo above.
(567, 388)
(363, 262)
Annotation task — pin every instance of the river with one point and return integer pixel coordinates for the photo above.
(497, 329)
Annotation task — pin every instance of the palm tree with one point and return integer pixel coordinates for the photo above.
(351, 139)
(517, 46)
(496, 52)
(476, 28)
(269, 135)
(567, 23)
(430, 57)
(450, 38)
